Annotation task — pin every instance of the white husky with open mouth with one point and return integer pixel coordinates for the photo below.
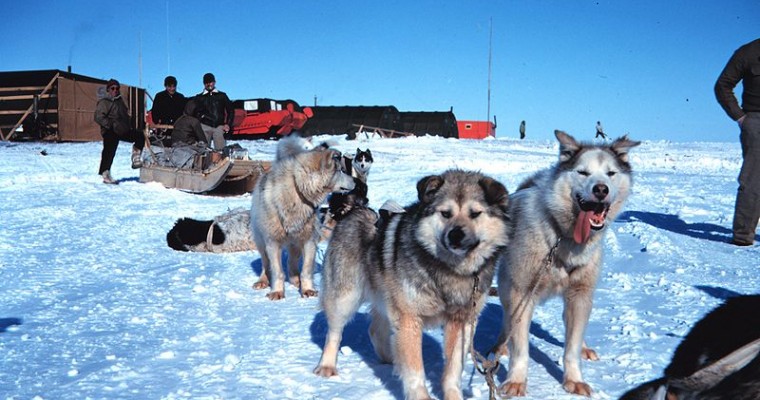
(558, 218)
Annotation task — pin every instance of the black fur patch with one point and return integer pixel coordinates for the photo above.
(340, 204)
(190, 232)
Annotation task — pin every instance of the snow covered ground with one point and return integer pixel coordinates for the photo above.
(94, 305)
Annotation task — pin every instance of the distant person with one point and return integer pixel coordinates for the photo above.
(113, 117)
(600, 131)
(744, 66)
(168, 104)
(522, 130)
(188, 138)
(217, 112)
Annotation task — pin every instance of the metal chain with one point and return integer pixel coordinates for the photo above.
(487, 367)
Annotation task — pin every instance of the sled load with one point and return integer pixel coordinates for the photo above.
(199, 170)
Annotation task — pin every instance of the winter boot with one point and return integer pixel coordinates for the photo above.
(107, 178)
(136, 158)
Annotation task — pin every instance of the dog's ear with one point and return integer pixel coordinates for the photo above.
(428, 186)
(621, 146)
(330, 159)
(495, 193)
(568, 146)
(358, 151)
(369, 153)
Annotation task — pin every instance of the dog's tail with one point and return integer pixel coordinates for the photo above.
(189, 232)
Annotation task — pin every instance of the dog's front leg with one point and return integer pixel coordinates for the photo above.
(519, 327)
(274, 252)
(408, 358)
(456, 345)
(307, 271)
(577, 310)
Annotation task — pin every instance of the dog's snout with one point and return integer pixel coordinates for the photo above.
(600, 191)
(456, 236)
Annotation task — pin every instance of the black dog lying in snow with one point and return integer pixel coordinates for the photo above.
(717, 360)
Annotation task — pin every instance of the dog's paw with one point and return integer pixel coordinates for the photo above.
(512, 389)
(261, 285)
(493, 291)
(589, 354)
(276, 295)
(326, 371)
(579, 388)
(309, 293)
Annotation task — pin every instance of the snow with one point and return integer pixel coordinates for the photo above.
(93, 304)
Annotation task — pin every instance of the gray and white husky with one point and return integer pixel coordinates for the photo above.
(429, 264)
(284, 205)
(559, 217)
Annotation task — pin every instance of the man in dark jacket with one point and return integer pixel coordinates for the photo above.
(744, 66)
(188, 138)
(168, 104)
(187, 128)
(113, 117)
(216, 111)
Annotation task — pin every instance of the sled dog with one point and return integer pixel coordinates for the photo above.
(359, 164)
(284, 214)
(558, 219)
(430, 264)
(226, 233)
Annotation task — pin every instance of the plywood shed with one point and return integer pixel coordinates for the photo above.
(57, 105)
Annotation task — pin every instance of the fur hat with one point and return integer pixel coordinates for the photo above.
(208, 77)
(112, 82)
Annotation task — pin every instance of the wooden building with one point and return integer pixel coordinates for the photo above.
(57, 105)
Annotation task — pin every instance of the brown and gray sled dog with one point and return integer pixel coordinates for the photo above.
(284, 215)
(428, 265)
(558, 219)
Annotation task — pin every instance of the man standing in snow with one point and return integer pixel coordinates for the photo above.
(744, 66)
(217, 112)
(600, 131)
(522, 129)
(113, 117)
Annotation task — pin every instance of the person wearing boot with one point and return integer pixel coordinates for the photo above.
(112, 116)
(744, 67)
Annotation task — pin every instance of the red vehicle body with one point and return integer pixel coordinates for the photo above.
(476, 129)
(268, 117)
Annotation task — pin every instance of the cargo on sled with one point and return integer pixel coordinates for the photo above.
(199, 170)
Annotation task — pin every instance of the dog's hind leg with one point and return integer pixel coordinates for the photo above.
(339, 304)
(380, 336)
(294, 258)
(277, 285)
(263, 281)
(578, 301)
(307, 271)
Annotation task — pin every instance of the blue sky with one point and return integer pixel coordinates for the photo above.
(644, 67)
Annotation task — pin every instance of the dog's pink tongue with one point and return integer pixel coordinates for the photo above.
(582, 227)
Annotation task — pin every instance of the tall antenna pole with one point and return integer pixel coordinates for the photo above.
(139, 61)
(168, 61)
(490, 39)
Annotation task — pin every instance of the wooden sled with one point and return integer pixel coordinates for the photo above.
(187, 179)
